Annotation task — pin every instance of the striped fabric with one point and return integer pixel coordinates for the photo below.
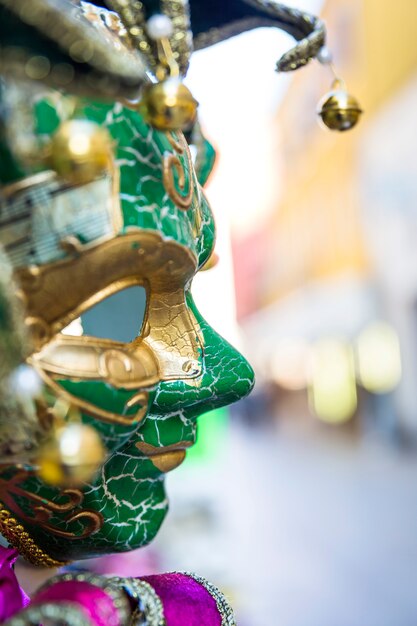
(34, 220)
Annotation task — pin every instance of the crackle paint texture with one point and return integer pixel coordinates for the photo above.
(129, 489)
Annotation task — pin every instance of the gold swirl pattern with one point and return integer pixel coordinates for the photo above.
(171, 165)
(91, 521)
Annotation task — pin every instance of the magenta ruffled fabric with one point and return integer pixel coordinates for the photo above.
(186, 602)
(12, 596)
(92, 600)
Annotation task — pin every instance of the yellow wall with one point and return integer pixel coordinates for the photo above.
(390, 29)
(316, 229)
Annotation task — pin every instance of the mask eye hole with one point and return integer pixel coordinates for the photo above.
(118, 317)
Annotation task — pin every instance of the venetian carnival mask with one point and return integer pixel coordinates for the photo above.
(75, 240)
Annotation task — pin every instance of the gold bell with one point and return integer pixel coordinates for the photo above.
(338, 109)
(80, 151)
(71, 457)
(168, 105)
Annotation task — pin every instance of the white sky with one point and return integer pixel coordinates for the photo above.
(239, 92)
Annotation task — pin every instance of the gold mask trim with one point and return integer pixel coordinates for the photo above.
(164, 458)
(84, 406)
(169, 347)
(171, 163)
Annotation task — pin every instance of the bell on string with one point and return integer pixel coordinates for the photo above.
(71, 456)
(168, 105)
(338, 109)
(80, 151)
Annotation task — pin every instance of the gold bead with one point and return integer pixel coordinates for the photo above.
(168, 105)
(80, 151)
(72, 456)
(339, 110)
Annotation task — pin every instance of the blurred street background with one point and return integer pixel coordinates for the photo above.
(301, 501)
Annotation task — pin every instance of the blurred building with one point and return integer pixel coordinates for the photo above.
(339, 250)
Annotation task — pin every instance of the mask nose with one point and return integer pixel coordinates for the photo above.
(228, 375)
(226, 378)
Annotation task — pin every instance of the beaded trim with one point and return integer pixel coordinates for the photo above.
(223, 606)
(63, 613)
(149, 611)
(106, 584)
(23, 542)
(305, 28)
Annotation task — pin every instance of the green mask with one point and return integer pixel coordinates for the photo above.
(142, 220)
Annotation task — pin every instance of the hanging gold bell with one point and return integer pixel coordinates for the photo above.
(338, 109)
(80, 151)
(168, 105)
(71, 456)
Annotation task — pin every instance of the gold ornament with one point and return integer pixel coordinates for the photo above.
(80, 151)
(338, 109)
(168, 105)
(71, 457)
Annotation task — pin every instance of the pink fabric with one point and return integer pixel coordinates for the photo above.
(186, 602)
(143, 562)
(12, 596)
(93, 601)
